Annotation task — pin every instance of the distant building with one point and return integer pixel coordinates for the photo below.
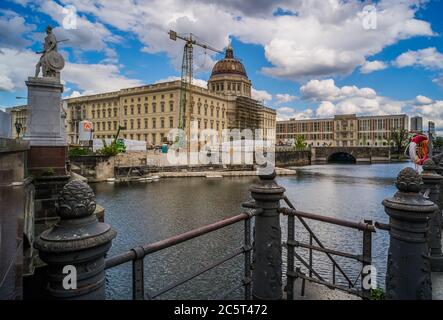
(5, 124)
(149, 112)
(431, 127)
(342, 130)
(417, 124)
(19, 115)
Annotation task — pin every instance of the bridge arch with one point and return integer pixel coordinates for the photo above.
(341, 157)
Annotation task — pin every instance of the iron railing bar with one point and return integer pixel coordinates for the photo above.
(303, 261)
(306, 226)
(340, 222)
(174, 240)
(326, 250)
(327, 284)
(333, 274)
(367, 258)
(248, 259)
(201, 271)
(382, 226)
(310, 255)
(290, 258)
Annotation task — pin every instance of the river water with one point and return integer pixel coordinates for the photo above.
(147, 212)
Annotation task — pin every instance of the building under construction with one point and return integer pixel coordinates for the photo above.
(149, 112)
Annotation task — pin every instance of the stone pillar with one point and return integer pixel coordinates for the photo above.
(267, 248)
(78, 241)
(408, 274)
(438, 160)
(47, 155)
(431, 187)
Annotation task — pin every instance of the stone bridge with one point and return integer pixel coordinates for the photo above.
(350, 154)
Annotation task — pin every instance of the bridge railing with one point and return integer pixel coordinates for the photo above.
(137, 255)
(315, 244)
(79, 241)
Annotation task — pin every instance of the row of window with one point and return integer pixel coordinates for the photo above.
(152, 138)
(363, 125)
(108, 113)
(139, 99)
(234, 86)
(155, 124)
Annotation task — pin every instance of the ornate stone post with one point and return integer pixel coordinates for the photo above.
(438, 160)
(431, 188)
(75, 247)
(408, 274)
(267, 248)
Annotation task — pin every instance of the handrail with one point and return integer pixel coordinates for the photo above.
(345, 223)
(200, 271)
(366, 227)
(174, 240)
(137, 255)
(334, 263)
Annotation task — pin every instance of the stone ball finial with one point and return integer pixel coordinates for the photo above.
(76, 200)
(408, 180)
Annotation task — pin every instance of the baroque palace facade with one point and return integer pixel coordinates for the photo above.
(148, 113)
(343, 130)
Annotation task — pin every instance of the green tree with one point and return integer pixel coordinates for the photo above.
(109, 150)
(300, 143)
(400, 137)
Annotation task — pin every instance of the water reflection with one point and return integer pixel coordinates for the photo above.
(144, 213)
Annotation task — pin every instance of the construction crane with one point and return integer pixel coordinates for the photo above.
(186, 81)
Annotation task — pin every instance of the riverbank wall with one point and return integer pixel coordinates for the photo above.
(292, 158)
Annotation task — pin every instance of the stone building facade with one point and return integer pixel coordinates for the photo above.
(19, 114)
(148, 113)
(343, 130)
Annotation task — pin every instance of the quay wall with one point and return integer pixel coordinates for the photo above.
(285, 158)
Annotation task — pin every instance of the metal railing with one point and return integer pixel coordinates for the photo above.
(137, 255)
(313, 276)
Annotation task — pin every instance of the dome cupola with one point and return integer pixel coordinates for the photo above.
(229, 65)
(229, 76)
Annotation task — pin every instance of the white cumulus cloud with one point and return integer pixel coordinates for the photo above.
(322, 38)
(286, 113)
(347, 99)
(422, 100)
(371, 66)
(429, 58)
(284, 98)
(261, 95)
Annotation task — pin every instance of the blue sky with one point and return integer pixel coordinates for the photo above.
(305, 58)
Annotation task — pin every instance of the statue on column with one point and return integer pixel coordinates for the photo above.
(51, 62)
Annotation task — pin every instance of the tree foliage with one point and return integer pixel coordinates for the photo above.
(400, 137)
(109, 150)
(300, 143)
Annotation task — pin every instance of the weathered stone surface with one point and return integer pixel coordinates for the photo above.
(44, 124)
(78, 240)
(292, 158)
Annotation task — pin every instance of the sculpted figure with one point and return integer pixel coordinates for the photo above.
(51, 62)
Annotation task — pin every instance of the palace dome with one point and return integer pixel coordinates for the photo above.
(229, 65)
